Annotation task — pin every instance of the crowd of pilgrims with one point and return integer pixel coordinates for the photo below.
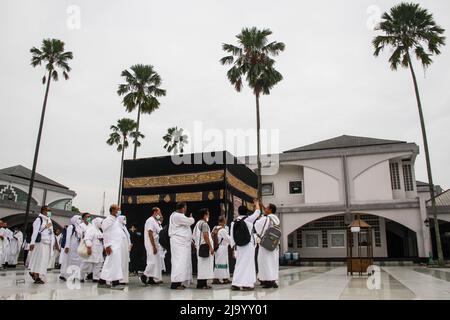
(104, 251)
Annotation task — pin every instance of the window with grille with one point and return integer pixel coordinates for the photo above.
(407, 177)
(395, 176)
(312, 240)
(295, 187)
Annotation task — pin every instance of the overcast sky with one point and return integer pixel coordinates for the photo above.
(332, 83)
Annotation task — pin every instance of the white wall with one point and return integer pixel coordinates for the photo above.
(320, 187)
(280, 182)
(373, 184)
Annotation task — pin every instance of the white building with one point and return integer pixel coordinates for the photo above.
(319, 187)
(14, 184)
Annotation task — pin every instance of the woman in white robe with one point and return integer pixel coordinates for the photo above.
(93, 238)
(153, 270)
(268, 261)
(125, 250)
(40, 249)
(15, 246)
(70, 255)
(221, 263)
(2, 240)
(244, 277)
(180, 246)
(205, 265)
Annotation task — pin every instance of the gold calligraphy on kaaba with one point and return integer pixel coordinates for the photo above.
(147, 199)
(189, 196)
(241, 186)
(174, 180)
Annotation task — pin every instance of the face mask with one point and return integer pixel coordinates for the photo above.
(89, 220)
(119, 213)
(158, 217)
(49, 214)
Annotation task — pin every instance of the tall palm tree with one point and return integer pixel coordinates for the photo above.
(119, 136)
(140, 91)
(54, 57)
(411, 30)
(252, 59)
(175, 140)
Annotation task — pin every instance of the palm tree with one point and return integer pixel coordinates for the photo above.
(252, 59)
(140, 91)
(119, 136)
(411, 30)
(175, 140)
(54, 57)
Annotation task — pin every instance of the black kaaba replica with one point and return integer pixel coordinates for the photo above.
(217, 181)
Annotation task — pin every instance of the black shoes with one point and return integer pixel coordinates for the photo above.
(38, 281)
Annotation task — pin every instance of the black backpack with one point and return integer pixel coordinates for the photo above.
(38, 237)
(241, 234)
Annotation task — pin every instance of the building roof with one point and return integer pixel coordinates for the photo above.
(421, 183)
(442, 199)
(20, 171)
(344, 141)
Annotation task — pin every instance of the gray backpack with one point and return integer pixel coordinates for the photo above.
(271, 238)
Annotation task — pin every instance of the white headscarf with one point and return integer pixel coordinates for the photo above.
(75, 220)
(97, 222)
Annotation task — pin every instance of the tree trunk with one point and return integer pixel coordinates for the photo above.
(258, 157)
(137, 130)
(428, 162)
(119, 197)
(36, 155)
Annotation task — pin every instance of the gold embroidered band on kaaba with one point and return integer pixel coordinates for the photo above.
(174, 180)
(174, 197)
(241, 186)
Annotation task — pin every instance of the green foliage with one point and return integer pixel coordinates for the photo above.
(252, 60)
(52, 54)
(175, 140)
(124, 128)
(141, 88)
(407, 29)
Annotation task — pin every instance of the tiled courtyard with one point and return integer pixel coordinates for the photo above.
(302, 283)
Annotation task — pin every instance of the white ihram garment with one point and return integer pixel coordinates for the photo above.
(112, 237)
(205, 266)
(244, 271)
(180, 245)
(154, 263)
(221, 264)
(41, 253)
(268, 261)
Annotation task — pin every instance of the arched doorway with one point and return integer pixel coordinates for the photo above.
(444, 230)
(325, 238)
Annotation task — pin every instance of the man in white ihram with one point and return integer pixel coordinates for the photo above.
(153, 270)
(112, 238)
(244, 276)
(268, 261)
(180, 234)
(41, 245)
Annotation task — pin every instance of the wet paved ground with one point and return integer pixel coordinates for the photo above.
(301, 283)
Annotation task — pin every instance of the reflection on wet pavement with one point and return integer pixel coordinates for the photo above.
(296, 283)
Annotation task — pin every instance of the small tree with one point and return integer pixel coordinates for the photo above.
(175, 140)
